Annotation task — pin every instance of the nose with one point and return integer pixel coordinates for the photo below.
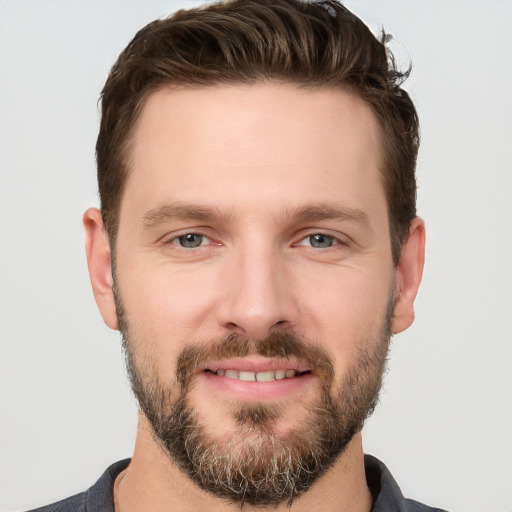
(257, 294)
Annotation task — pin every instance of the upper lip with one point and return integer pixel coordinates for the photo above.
(254, 364)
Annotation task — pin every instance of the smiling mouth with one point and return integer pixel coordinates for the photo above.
(264, 376)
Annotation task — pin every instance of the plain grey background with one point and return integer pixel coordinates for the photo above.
(444, 425)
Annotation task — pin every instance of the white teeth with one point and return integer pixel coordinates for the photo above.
(260, 376)
(265, 376)
(247, 376)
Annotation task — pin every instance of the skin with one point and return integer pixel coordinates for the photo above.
(254, 157)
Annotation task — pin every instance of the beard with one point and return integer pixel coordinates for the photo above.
(257, 464)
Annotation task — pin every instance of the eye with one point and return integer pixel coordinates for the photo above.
(319, 241)
(191, 240)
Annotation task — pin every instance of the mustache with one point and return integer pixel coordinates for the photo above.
(278, 345)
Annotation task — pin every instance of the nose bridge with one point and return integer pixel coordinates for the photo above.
(257, 296)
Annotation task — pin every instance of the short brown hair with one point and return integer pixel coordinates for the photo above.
(311, 44)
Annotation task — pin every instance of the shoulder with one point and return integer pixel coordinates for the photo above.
(74, 503)
(386, 494)
(98, 498)
(415, 506)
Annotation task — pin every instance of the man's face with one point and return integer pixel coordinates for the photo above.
(254, 275)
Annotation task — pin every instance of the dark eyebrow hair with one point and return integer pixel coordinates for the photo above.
(301, 214)
(317, 212)
(181, 211)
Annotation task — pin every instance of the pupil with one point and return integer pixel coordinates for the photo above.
(190, 240)
(320, 241)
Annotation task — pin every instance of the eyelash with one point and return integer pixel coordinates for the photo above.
(336, 241)
(175, 240)
(339, 240)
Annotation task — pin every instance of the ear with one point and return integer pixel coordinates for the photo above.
(408, 276)
(100, 266)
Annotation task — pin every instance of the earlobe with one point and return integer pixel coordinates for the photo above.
(408, 276)
(99, 264)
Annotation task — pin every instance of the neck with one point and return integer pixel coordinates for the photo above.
(153, 482)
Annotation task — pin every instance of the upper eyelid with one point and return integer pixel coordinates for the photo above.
(341, 238)
(172, 244)
(337, 241)
(299, 237)
(195, 233)
(168, 237)
(173, 239)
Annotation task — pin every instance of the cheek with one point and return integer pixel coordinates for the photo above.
(346, 294)
(164, 311)
(346, 309)
(164, 299)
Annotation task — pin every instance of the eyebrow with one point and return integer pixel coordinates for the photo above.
(177, 211)
(302, 214)
(315, 213)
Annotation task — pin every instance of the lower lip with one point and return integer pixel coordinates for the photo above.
(256, 391)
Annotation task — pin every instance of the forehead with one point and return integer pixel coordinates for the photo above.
(264, 141)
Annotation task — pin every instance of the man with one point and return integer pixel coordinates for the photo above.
(257, 246)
